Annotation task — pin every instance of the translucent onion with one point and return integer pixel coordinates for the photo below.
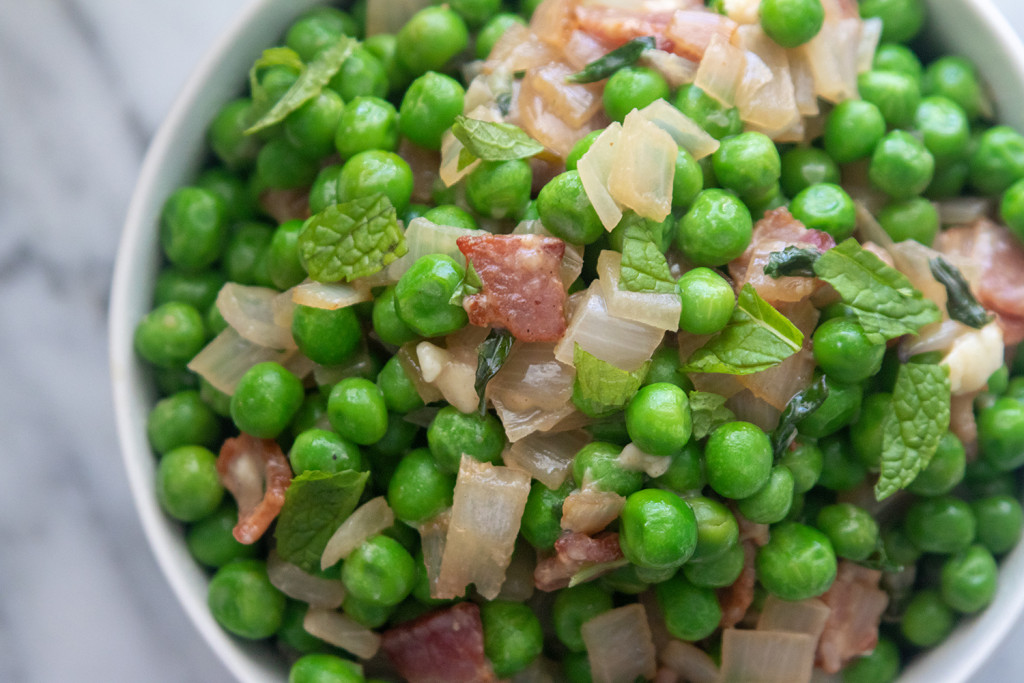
(453, 369)
(686, 132)
(532, 391)
(228, 356)
(486, 511)
(594, 168)
(868, 227)
(424, 237)
(619, 645)
(588, 510)
(341, 631)
(964, 210)
(522, 51)
(720, 70)
(574, 103)
(387, 16)
(451, 150)
(410, 363)
(691, 31)
(690, 662)
(548, 121)
(547, 457)
(650, 308)
(583, 48)
(911, 258)
(369, 519)
(772, 105)
(632, 458)
(975, 355)
(749, 407)
(803, 83)
(870, 35)
(644, 168)
(330, 296)
(832, 56)
(359, 364)
(676, 70)
(804, 616)
(250, 311)
(433, 533)
(766, 656)
(297, 584)
(626, 344)
(742, 11)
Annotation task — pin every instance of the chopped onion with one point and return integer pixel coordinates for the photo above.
(518, 50)
(433, 533)
(964, 210)
(804, 616)
(911, 258)
(650, 308)
(387, 16)
(934, 337)
(453, 369)
(228, 356)
(686, 132)
(250, 311)
(626, 344)
(742, 11)
(369, 519)
(297, 584)
(766, 656)
(532, 391)
(589, 510)
(975, 355)
(832, 56)
(870, 35)
(583, 48)
(644, 168)
(424, 237)
(868, 227)
(486, 511)
(341, 631)
(552, 110)
(552, 20)
(690, 662)
(359, 364)
(451, 151)
(594, 168)
(619, 645)
(676, 70)
(330, 296)
(803, 83)
(771, 106)
(632, 458)
(751, 408)
(721, 69)
(546, 457)
(691, 31)
(409, 361)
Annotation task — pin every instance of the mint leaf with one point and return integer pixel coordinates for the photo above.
(644, 268)
(756, 338)
(800, 406)
(911, 430)
(600, 388)
(309, 84)
(271, 57)
(315, 505)
(351, 240)
(469, 285)
(708, 412)
(491, 355)
(605, 66)
(960, 302)
(882, 298)
(792, 262)
(494, 141)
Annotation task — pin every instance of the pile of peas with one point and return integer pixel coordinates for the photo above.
(920, 132)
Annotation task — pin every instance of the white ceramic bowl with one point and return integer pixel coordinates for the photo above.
(973, 28)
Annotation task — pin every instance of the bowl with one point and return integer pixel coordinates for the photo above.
(176, 155)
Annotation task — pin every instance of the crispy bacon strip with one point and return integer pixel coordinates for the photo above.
(522, 288)
(446, 646)
(852, 628)
(257, 474)
(573, 552)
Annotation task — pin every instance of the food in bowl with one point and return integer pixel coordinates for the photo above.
(632, 326)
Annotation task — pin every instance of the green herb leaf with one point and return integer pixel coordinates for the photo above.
(644, 268)
(491, 355)
(792, 261)
(800, 406)
(271, 57)
(605, 66)
(960, 302)
(351, 240)
(592, 571)
(494, 141)
(756, 338)
(708, 412)
(310, 83)
(600, 388)
(315, 505)
(468, 286)
(911, 430)
(882, 298)
(465, 158)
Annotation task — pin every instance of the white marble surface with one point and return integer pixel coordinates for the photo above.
(83, 87)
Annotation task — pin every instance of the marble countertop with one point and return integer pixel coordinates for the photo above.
(84, 85)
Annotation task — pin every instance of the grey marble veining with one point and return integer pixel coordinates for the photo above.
(83, 87)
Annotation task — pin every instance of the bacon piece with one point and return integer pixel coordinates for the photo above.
(992, 260)
(446, 646)
(257, 474)
(573, 552)
(522, 287)
(736, 599)
(852, 628)
(616, 26)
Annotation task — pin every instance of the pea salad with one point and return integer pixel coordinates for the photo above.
(581, 340)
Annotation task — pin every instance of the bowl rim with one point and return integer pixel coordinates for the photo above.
(131, 388)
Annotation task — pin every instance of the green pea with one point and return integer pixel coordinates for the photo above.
(575, 606)
(898, 548)
(901, 166)
(369, 614)
(362, 75)
(319, 449)
(375, 171)
(266, 399)
(182, 420)
(708, 301)
(881, 665)
(383, 46)
(500, 189)
(324, 668)
(717, 529)
(968, 580)
(944, 471)
(955, 78)
(193, 228)
(210, 539)
(657, 529)
(244, 602)
(1000, 521)
(575, 665)
(215, 398)
(910, 219)
(927, 620)
(853, 130)
(170, 335)
(327, 337)
(312, 126)
(400, 394)
(419, 489)
(317, 29)
(449, 214)
(844, 352)
(715, 230)
(429, 108)
(423, 296)
(566, 212)
(380, 571)
(896, 57)
(386, 323)
(983, 480)
(357, 411)
(901, 19)
(897, 95)
(685, 472)
(738, 459)
(825, 207)
(541, 523)
(493, 30)
(429, 39)
(512, 636)
(806, 166)
(791, 22)
(581, 147)
(1001, 434)
(688, 180)
(839, 409)
(804, 460)
(866, 430)
(948, 181)
(665, 367)
(998, 161)
(197, 288)
(841, 469)
(625, 580)
(292, 636)
(245, 255)
(452, 434)
(772, 502)
(658, 419)
(283, 263)
(718, 120)
(718, 572)
(748, 164)
(367, 123)
(691, 612)
(852, 531)
(943, 524)
(227, 137)
(597, 465)
(632, 87)
(944, 128)
(797, 563)
(282, 165)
